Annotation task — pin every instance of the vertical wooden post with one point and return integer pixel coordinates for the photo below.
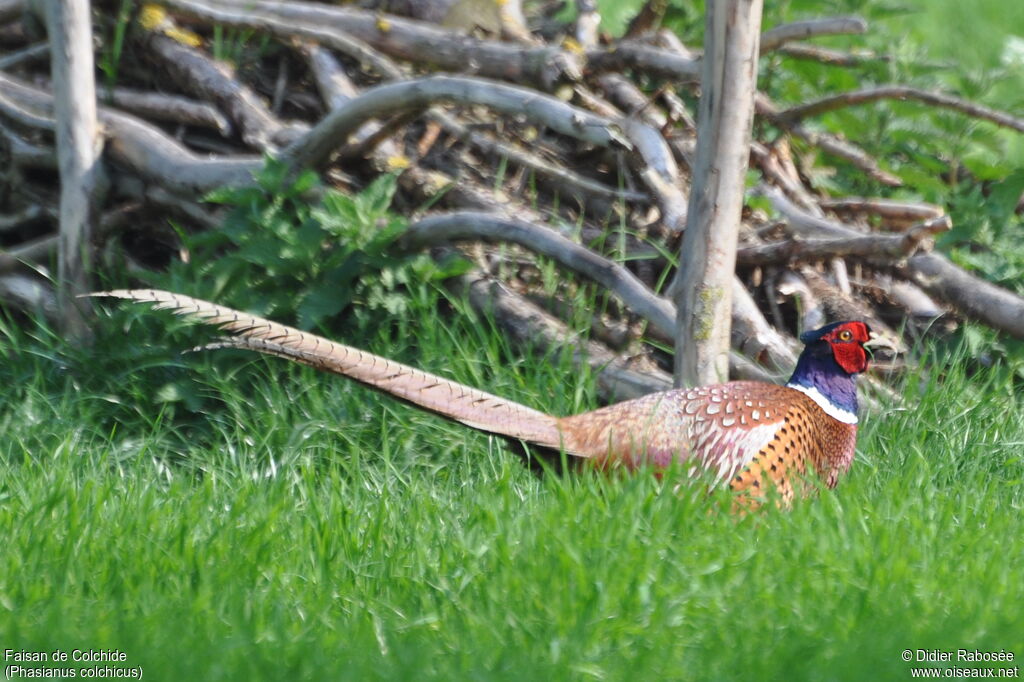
(708, 254)
(78, 151)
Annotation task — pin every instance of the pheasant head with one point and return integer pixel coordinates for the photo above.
(833, 355)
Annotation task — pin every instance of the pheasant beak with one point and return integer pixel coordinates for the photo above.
(880, 341)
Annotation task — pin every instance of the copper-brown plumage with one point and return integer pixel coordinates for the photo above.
(753, 435)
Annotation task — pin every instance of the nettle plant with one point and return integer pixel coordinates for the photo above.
(301, 261)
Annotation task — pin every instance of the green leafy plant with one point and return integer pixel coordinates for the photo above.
(280, 255)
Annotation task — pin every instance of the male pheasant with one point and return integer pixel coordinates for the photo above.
(752, 434)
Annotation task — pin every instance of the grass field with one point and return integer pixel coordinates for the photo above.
(296, 526)
(216, 516)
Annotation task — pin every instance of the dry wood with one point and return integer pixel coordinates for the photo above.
(30, 294)
(935, 274)
(451, 227)
(530, 326)
(334, 86)
(893, 212)
(415, 41)
(811, 28)
(647, 19)
(17, 220)
(835, 146)
(881, 246)
(628, 54)
(37, 250)
(812, 313)
(919, 305)
(827, 56)
(195, 71)
(140, 146)
(563, 180)
(658, 170)
(393, 98)
(840, 305)
(588, 19)
(169, 108)
(650, 148)
(78, 156)
(997, 307)
(707, 260)
(28, 54)
(771, 167)
(286, 30)
(755, 338)
(901, 92)
(11, 10)
(27, 155)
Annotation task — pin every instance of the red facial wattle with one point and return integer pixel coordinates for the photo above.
(847, 344)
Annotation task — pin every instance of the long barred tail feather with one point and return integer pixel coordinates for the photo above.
(470, 406)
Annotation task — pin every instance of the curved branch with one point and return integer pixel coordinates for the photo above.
(442, 229)
(285, 30)
(142, 147)
(196, 71)
(997, 307)
(812, 28)
(530, 325)
(170, 108)
(11, 10)
(415, 41)
(901, 92)
(569, 180)
(394, 98)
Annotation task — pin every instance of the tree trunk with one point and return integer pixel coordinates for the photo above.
(70, 30)
(708, 256)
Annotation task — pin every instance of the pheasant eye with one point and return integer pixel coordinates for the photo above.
(845, 335)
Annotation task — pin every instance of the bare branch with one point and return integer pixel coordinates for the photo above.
(442, 229)
(78, 156)
(890, 210)
(195, 71)
(997, 307)
(11, 10)
(36, 250)
(567, 181)
(334, 86)
(413, 41)
(707, 262)
(659, 172)
(394, 98)
(170, 108)
(588, 19)
(828, 143)
(529, 325)
(871, 247)
(629, 54)
(901, 92)
(142, 147)
(830, 57)
(29, 294)
(287, 30)
(31, 53)
(29, 214)
(812, 28)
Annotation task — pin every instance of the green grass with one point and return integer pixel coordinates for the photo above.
(291, 525)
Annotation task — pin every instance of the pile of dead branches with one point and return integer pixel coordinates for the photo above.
(593, 139)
